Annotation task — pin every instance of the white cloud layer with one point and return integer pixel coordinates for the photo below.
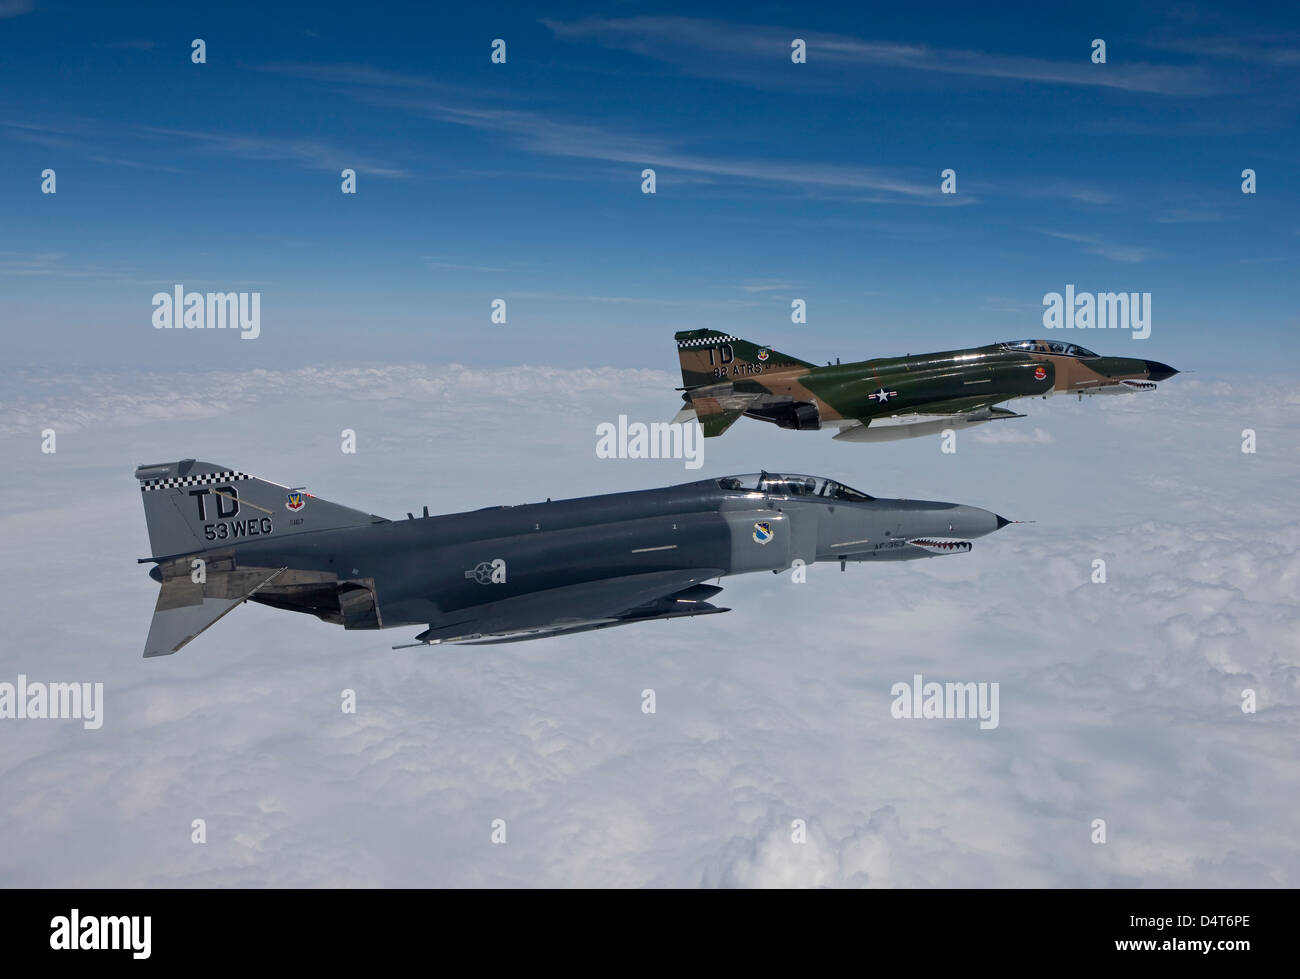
(1119, 701)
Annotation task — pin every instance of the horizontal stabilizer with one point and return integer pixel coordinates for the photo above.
(185, 607)
(717, 423)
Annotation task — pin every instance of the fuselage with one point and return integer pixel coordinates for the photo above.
(725, 377)
(918, 382)
(418, 569)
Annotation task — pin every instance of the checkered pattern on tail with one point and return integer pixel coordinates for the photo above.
(199, 479)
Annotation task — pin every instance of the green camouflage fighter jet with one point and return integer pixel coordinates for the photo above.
(725, 377)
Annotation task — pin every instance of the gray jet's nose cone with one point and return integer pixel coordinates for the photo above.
(1158, 371)
(1002, 522)
(971, 521)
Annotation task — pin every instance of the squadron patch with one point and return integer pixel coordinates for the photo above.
(1040, 373)
(763, 532)
(763, 355)
(295, 500)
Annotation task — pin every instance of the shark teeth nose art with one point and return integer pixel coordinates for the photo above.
(941, 546)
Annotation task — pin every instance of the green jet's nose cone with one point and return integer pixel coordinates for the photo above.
(1158, 371)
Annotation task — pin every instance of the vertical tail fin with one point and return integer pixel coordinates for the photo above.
(194, 506)
(710, 357)
(713, 364)
(713, 419)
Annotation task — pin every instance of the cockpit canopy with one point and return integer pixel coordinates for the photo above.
(791, 484)
(1049, 347)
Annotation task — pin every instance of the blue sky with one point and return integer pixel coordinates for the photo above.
(522, 181)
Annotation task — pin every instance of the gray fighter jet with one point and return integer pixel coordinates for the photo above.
(503, 574)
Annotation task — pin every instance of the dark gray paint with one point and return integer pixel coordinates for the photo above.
(569, 565)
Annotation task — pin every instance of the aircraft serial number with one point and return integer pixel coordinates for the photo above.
(231, 529)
